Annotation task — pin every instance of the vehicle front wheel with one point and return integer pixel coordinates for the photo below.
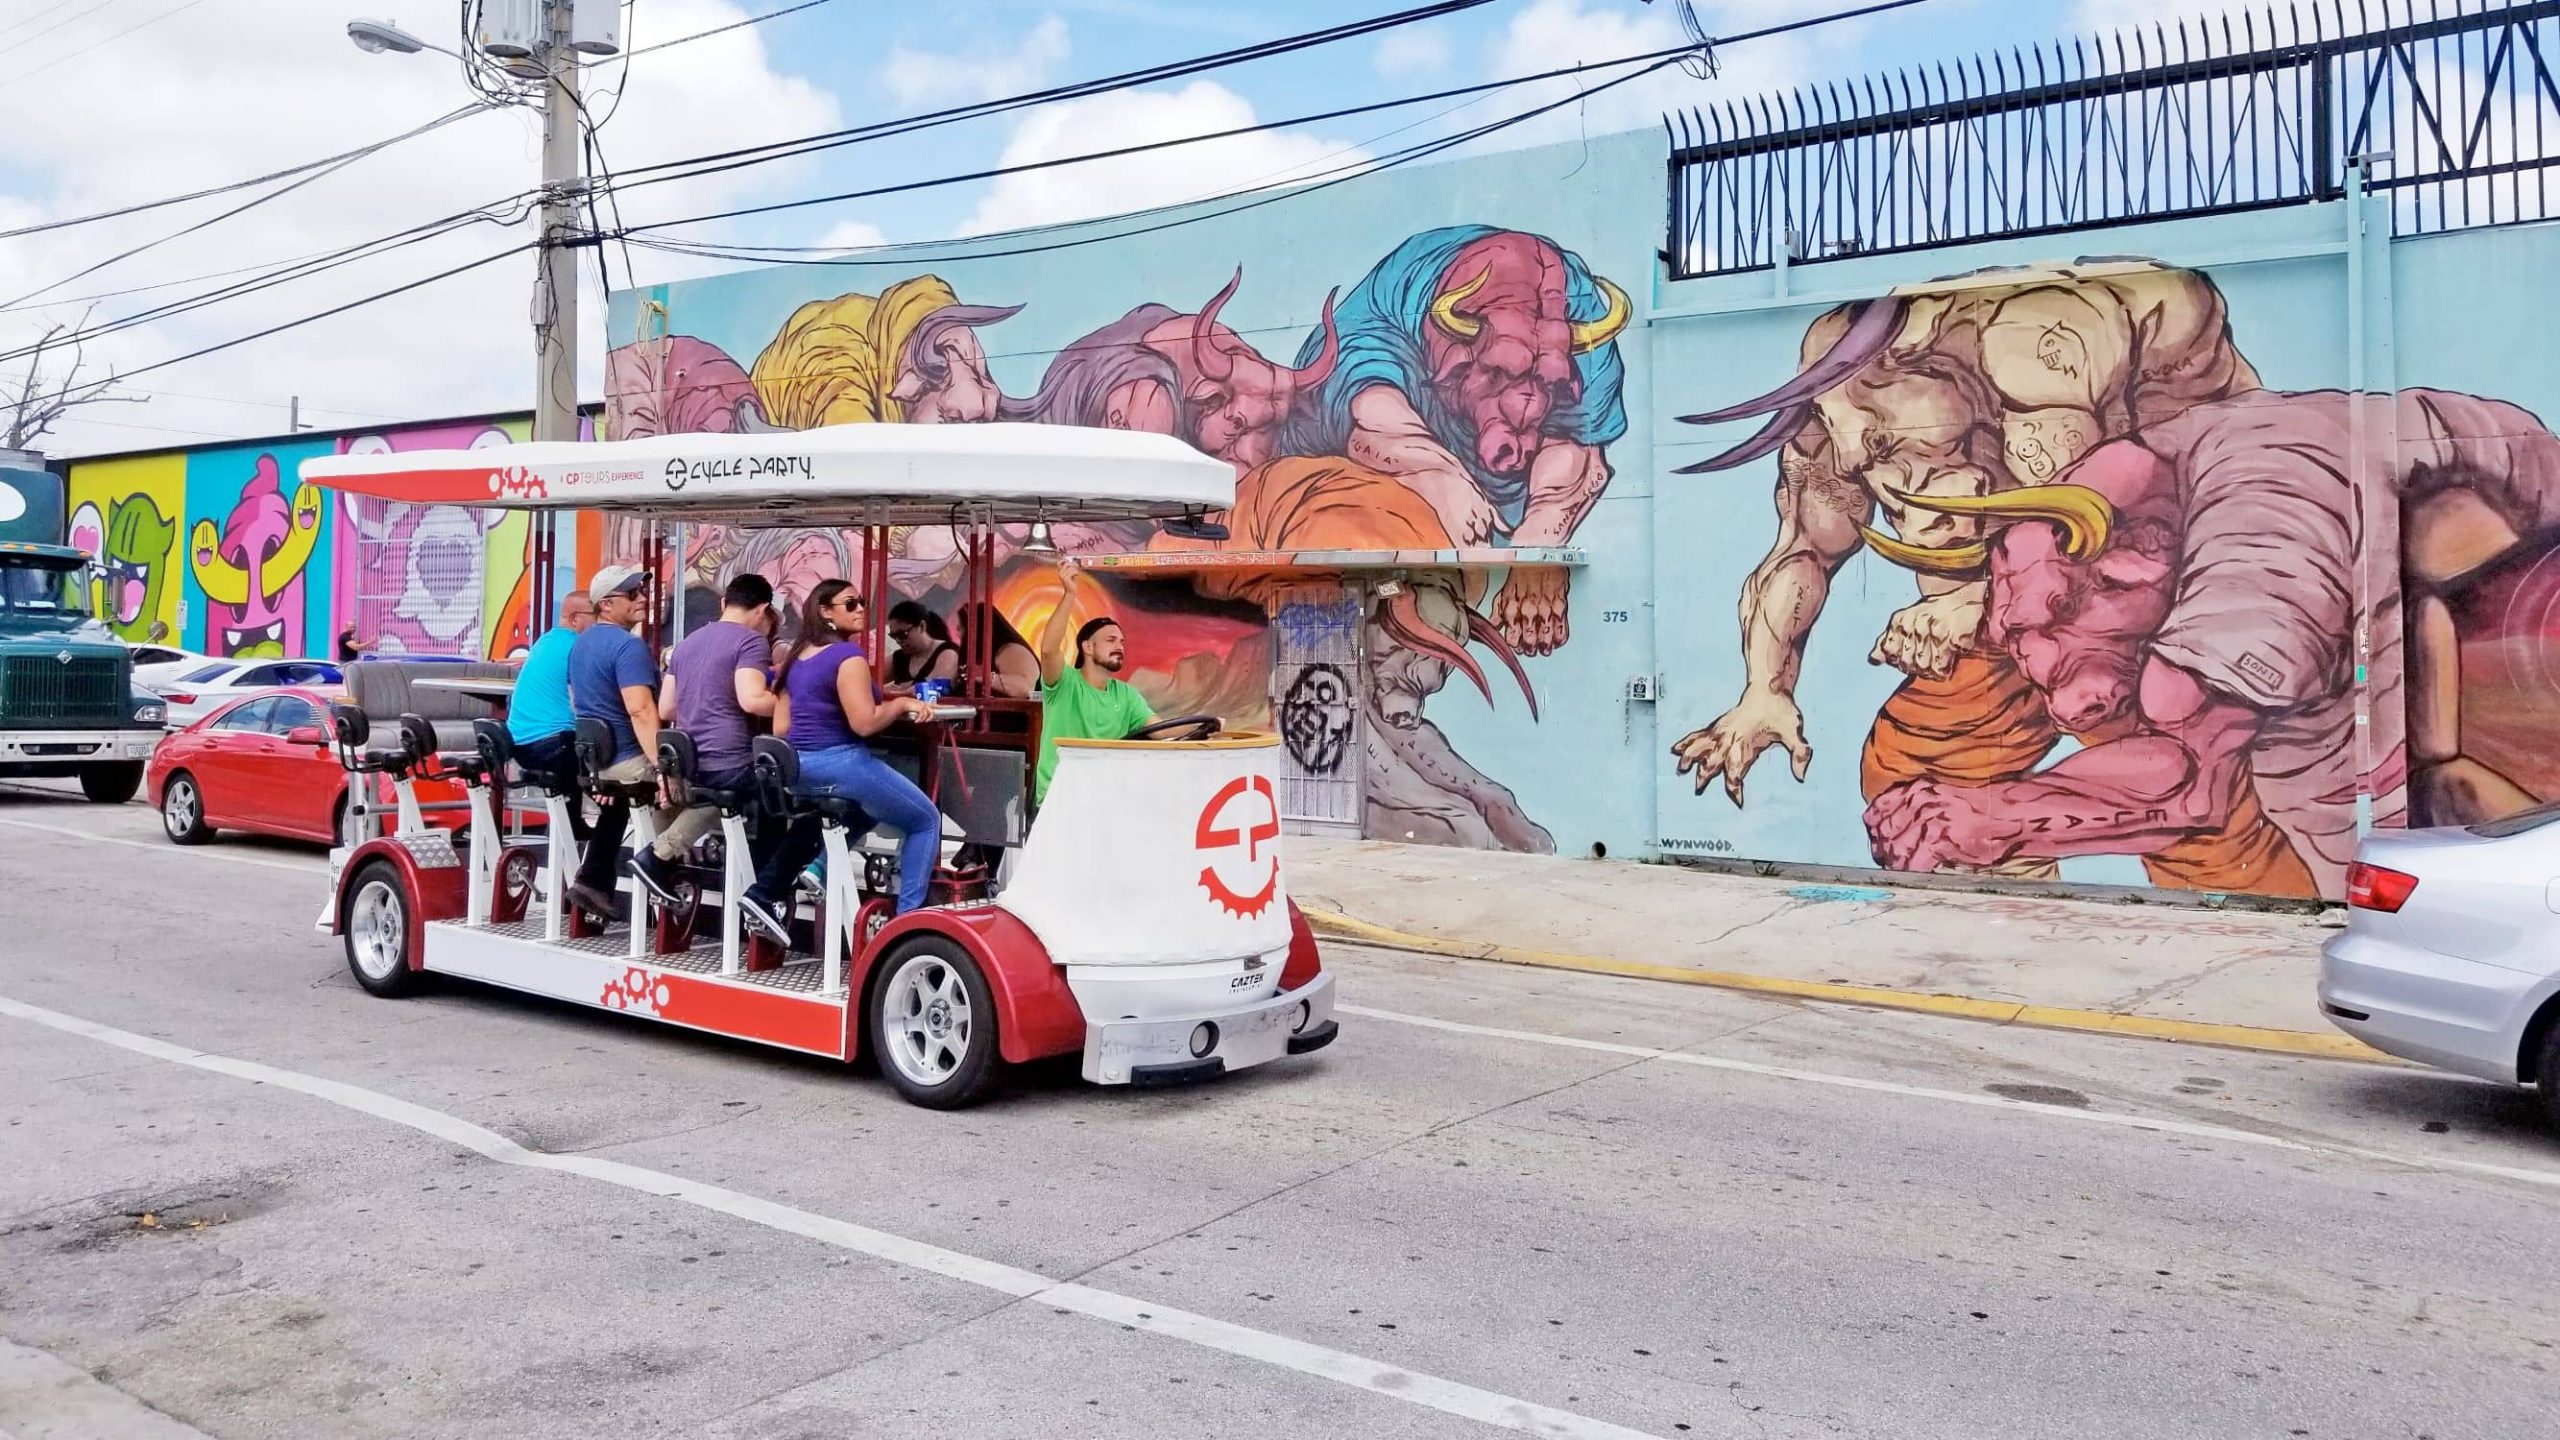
(933, 1025)
(377, 931)
(182, 810)
(111, 784)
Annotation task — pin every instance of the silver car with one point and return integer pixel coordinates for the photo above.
(2451, 955)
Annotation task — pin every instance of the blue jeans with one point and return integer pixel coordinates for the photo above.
(890, 799)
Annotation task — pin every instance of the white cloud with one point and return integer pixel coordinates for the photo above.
(917, 77)
(1551, 34)
(1411, 52)
(852, 235)
(217, 93)
(1158, 177)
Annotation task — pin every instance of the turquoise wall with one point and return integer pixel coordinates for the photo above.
(2261, 300)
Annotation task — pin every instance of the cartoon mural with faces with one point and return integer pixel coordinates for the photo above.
(412, 576)
(250, 567)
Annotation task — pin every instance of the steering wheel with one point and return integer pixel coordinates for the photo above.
(1193, 727)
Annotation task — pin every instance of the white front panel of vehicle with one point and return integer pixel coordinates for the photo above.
(1156, 855)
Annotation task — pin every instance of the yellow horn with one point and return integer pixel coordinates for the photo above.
(1960, 561)
(300, 538)
(2086, 517)
(1592, 334)
(1444, 311)
(219, 579)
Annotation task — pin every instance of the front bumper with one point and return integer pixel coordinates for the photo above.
(2406, 1000)
(1159, 1050)
(64, 751)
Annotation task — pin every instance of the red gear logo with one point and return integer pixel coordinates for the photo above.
(1214, 838)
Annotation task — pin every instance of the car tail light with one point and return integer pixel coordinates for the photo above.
(177, 698)
(2371, 887)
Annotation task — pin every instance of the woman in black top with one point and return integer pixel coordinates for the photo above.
(921, 648)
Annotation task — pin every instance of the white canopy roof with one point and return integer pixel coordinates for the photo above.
(838, 475)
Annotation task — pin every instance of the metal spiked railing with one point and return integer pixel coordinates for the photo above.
(2452, 106)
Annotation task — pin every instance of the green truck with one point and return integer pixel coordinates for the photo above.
(68, 704)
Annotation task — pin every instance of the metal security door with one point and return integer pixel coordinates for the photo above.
(1316, 685)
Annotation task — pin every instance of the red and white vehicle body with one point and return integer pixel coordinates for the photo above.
(1141, 921)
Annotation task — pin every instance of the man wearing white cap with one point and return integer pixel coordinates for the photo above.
(613, 679)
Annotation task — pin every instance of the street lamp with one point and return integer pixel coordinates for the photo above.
(555, 302)
(373, 37)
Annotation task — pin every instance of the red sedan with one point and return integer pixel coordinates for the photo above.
(263, 763)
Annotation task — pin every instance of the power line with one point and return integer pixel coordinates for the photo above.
(810, 144)
(18, 45)
(1659, 59)
(1124, 151)
(273, 175)
(30, 19)
(378, 295)
(1291, 190)
(298, 270)
(58, 60)
(280, 192)
(722, 29)
(1414, 153)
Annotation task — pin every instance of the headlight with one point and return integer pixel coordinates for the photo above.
(150, 714)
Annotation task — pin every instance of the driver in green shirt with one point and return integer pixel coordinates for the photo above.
(1085, 699)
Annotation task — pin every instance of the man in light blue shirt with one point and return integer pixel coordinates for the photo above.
(539, 719)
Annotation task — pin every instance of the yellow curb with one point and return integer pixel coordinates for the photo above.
(1966, 1007)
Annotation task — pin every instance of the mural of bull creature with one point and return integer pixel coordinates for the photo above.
(250, 568)
(1480, 368)
(2183, 605)
(1951, 389)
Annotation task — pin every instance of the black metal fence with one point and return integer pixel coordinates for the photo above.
(2453, 107)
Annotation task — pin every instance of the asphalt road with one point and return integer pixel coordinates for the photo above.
(1570, 1205)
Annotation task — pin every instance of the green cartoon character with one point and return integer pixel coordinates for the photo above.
(138, 542)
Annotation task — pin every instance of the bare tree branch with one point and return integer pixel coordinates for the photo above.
(41, 403)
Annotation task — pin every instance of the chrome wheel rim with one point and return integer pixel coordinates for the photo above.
(929, 1022)
(178, 807)
(377, 932)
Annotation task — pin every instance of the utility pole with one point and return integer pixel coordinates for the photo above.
(555, 286)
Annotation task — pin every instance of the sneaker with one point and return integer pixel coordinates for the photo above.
(652, 874)
(765, 918)
(603, 904)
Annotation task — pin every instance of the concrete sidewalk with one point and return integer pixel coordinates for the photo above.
(2168, 972)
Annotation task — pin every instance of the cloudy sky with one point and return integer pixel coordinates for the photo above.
(111, 103)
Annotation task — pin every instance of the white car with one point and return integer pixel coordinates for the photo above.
(153, 663)
(196, 693)
(2451, 955)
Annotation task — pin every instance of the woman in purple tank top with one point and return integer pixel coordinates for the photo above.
(828, 705)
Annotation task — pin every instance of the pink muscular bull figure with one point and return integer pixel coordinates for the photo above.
(1234, 400)
(1479, 368)
(2186, 605)
(2076, 603)
(250, 570)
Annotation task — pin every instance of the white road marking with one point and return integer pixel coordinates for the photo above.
(1957, 1097)
(43, 1398)
(170, 848)
(1358, 1371)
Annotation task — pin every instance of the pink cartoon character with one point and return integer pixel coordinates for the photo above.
(250, 569)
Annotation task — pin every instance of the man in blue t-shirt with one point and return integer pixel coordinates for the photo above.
(539, 720)
(612, 679)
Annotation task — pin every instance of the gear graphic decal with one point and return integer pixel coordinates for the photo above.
(1219, 842)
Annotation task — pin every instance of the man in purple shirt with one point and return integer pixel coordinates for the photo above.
(715, 689)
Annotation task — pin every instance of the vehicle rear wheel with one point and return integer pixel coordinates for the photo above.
(182, 810)
(377, 931)
(111, 784)
(933, 1025)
